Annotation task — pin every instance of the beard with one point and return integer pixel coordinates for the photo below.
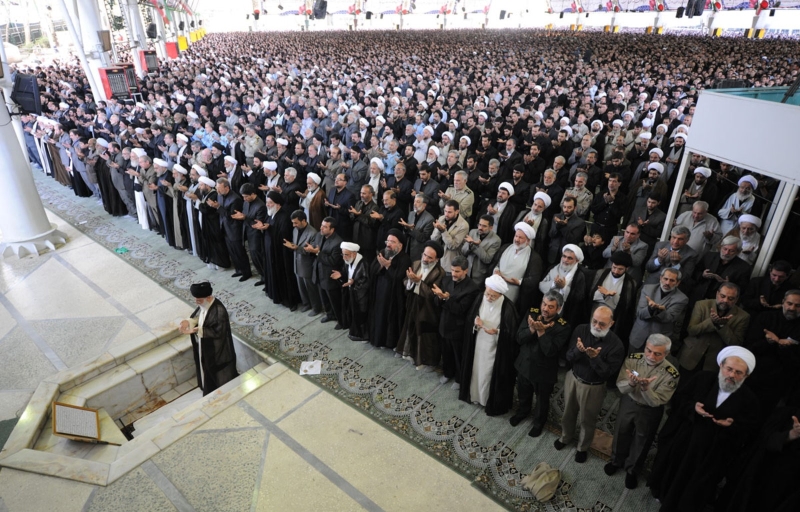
(598, 333)
(426, 266)
(722, 309)
(728, 386)
(205, 304)
(389, 254)
(566, 268)
(743, 196)
(790, 314)
(665, 289)
(272, 211)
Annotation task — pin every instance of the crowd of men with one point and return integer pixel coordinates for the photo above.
(488, 206)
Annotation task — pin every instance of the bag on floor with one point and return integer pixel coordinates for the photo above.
(543, 481)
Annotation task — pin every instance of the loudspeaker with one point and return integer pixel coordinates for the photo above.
(679, 12)
(199, 23)
(105, 39)
(181, 25)
(191, 23)
(152, 31)
(320, 9)
(369, 15)
(502, 15)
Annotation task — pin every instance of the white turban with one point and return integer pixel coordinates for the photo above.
(618, 122)
(497, 284)
(752, 219)
(363, 121)
(429, 129)
(350, 246)
(380, 119)
(377, 161)
(282, 141)
(179, 168)
(657, 166)
(566, 129)
(435, 150)
(464, 137)
(656, 151)
(314, 177)
(705, 171)
(544, 197)
(182, 137)
(526, 229)
(324, 110)
(139, 131)
(159, 162)
(646, 135)
(508, 187)
(192, 115)
(575, 249)
(449, 135)
(102, 142)
(682, 136)
(749, 179)
(229, 159)
(740, 352)
(200, 170)
(454, 122)
(207, 181)
(270, 165)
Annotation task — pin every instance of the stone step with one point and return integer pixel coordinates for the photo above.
(155, 417)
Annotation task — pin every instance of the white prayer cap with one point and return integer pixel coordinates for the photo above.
(453, 121)
(179, 168)
(350, 246)
(139, 131)
(363, 121)
(380, 119)
(657, 166)
(740, 352)
(435, 150)
(464, 137)
(646, 135)
(657, 151)
(205, 180)
(682, 136)
(324, 110)
(180, 97)
(449, 135)
(508, 187)
(497, 284)
(705, 171)
(617, 122)
(102, 142)
(182, 137)
(229, 159)
(314, 177)
(575, 249)
(63, 105)
(526, 229)
(270, 165)
(377, 161)
(139, 152)
(752, 219)
(200, 170)
(192, 115)
(544, 197)
(282, 141)
(159, 162)
(749, 179)
(429, 129)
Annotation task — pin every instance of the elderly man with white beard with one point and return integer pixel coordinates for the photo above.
(596, 354)
(354, 278)
(647, 381)
(564, 277)
(738, 203)
(519, 266)
(750, 237)
(535, 218)
(710, 421)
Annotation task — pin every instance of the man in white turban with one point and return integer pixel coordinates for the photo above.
(535, 219)
(487, 371)
(565, 276)
(750, 237)
(519, 265)
(738, 203)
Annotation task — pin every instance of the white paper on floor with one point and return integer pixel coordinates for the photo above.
(310, 367)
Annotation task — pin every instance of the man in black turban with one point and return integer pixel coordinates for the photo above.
(212, 341)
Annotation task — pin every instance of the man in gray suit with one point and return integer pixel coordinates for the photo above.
(419, 226)
(674, 253)
(480, 247)
(660, 308)
(302, 234)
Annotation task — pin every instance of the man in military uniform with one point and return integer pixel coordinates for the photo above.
(647, 381)
(542, 336)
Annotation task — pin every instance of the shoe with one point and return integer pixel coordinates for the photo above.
(356, 338)
(244, 278)
(314, 313)
(558, 445)
(236, 274)
(580, 456)
(610, 468)
(456, 386)
(517, 419)
(631, 481)
(325, 319)
(338, 327)
(424, 368)
(398, 355)
(260, 283)
(303, 309)
(293, 308)
(443, 380)
(536, 431)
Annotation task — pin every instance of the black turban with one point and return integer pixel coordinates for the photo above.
(219, 146)
(622, 258)
(436, 247)
(201, 290)
(397, 234)
(276, 197)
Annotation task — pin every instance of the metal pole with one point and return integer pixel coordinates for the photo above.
(779, 213)
(683, 171)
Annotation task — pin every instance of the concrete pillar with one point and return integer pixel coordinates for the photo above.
(91, 74)
(162, 34)
(133, 20)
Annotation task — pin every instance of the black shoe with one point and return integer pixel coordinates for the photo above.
(610, 468)
(326, 319)
(244, 278)
(236, 274)
(536, 431)
(314, 313)
(303, 309)
(517, 419)
(356, 338)
(631, 481)
(580, 456)
(338, 327)
(558, 445)
(260, 283)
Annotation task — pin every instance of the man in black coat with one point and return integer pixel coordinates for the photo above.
(542, 335)
(354, 278)
(254, 210)
(338, 203)
(455, 298)
(387, 292)
(327, 247)
(233, 228)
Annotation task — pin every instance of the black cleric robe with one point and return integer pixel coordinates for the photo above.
(355, 299)
(777, 369)
(212, 239)
(213, 351)
(420, 335)
(388, 301)
(501, 387)
(280, 282)
(694, 453)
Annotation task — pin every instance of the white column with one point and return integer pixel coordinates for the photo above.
(91, 75)
(776, 221)
(133, 20)
(682, 171)
(162, 34)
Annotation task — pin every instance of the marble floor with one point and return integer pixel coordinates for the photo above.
(287, 446)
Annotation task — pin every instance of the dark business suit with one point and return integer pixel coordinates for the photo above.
(329, 259)
(420, 234)
(304, 268)
(255, 211)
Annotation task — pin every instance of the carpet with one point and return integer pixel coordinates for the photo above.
(487, 450)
